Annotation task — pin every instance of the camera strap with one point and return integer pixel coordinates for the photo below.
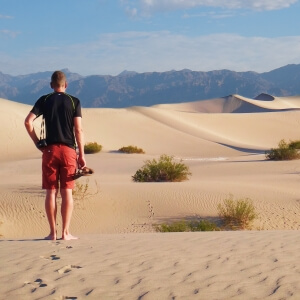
(42, 134)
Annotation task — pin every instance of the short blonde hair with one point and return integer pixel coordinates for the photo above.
(58, 79)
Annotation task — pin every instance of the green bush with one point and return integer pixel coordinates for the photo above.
(131, 149)
(294, 144)
(91, 148)
(203, 225)
(237, 213)
(165, 169)
(285, 151)
(180, 226)
(183, 226)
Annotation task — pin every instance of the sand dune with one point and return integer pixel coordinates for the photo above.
(220, 148)
(237, 104)
(222, 141)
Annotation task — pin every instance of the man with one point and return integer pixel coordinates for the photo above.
(62, 114)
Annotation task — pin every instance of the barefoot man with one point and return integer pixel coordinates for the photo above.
(62, 117)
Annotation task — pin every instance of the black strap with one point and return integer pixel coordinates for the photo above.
(42, 134)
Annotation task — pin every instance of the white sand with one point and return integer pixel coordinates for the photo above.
(224, 148)
(221, 265)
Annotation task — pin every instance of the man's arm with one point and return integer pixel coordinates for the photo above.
(29, 127)
(80, 141)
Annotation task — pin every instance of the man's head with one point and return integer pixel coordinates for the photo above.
(59, 81)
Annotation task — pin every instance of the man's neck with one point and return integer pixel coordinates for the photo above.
(60, 90)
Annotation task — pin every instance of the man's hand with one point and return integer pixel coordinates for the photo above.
(81, 162)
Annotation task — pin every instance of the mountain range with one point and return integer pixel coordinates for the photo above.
(151, 88)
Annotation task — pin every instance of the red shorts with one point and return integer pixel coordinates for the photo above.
(59, 166)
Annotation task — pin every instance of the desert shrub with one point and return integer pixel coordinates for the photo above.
(285, 151)
(82, 190)
(90, 148)
(203, 225)
(180, 226)
(183, 226)
(164, 169)
(237, 214)
(132, 149)
(294, 144)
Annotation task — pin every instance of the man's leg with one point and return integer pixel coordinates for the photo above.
(51, 210)
(66, 213)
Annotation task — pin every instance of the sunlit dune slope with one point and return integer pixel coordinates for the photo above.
(216, 127)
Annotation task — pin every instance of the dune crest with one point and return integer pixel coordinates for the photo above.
(237, 104)
(264, 97)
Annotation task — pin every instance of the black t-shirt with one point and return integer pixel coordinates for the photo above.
(59, 110)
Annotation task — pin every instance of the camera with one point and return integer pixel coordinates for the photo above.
(41, 143)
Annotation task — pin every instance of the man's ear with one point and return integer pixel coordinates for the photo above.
(51, 85)
(66, 84)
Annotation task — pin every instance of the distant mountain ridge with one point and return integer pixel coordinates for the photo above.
(146, 89)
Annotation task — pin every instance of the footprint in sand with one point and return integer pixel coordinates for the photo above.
(66, 247)
(67, 269)
(54, 243)
(38, 283)
(51, 257)
(66, 297)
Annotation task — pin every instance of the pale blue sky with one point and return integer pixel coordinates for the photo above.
(105, 37)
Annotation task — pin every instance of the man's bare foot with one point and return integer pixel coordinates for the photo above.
(51, 237)
(68, 237)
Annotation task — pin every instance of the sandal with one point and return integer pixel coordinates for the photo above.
(83, 172)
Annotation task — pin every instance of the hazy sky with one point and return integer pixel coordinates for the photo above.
(108, 36)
